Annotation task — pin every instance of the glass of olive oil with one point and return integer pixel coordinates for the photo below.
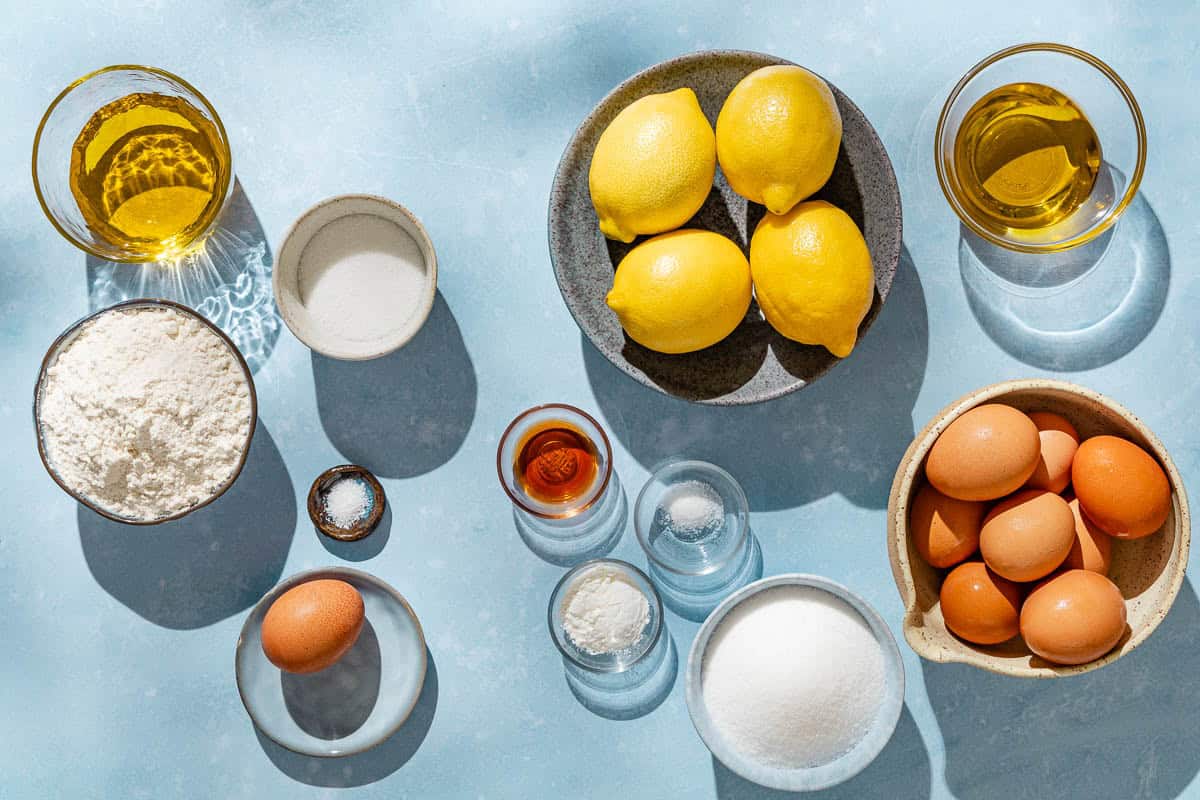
(1040, 148)
(132, 164)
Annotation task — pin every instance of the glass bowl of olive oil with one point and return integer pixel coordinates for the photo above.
(1040, 148)
(132, 164)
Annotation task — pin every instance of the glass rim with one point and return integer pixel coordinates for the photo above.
(607, 461)
(227, 179)
(739, 493)
(653, 598)
(1135, 178)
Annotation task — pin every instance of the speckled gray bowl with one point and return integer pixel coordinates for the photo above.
(800, 779)
(1149, 571)
(754, 363)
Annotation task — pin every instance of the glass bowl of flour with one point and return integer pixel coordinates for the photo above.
(144, 411)
(606, 619)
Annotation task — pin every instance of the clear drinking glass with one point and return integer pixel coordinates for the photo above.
(61, 125)
(624, 669)
(1110, 108)
(695, 559)
(588, 523)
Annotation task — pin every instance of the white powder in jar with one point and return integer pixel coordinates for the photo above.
(361, 276)
(346, 501)
(604, 612)
(793, 677)
(145, 412)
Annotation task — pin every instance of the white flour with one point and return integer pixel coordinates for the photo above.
(793, 677)
(145, 412)
(361, 276)
(603, 612)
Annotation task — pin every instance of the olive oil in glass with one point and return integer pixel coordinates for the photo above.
(1026, 157)
(148, 172)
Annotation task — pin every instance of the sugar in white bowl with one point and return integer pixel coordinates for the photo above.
(793, 677)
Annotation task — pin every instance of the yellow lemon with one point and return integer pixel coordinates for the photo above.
(778, 136)
(681, 291)
(653, 166)
(812, 275)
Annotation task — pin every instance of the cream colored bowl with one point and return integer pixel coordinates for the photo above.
(1149, 571)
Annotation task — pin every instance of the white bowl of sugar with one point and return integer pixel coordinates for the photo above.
(356, 277)
(795, 683)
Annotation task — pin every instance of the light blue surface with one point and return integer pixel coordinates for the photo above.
(116, 678)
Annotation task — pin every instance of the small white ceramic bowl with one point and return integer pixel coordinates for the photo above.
(286, 278)
(805, 779)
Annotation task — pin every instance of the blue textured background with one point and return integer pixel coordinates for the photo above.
(116, 673)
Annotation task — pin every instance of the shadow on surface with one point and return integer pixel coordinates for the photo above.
(845, 433)
(697, 607)
(365, 548)
(1125, 730)
(638, 702)
(373, 765)
(336, 701)
(209, 565)
(567, 552)
(406, 413)
(1076, 310)
(901, 771)
(228, 280)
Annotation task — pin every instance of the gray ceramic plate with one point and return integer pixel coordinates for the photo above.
(809, 778)
(754, 363)
(353, 705)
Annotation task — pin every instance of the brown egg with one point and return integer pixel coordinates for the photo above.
(1027, 536)
(945, 531)
(1073, 618)
(1120, 487)
(1092, 548)
(988, 452)
(1059, 441)
(312, 625)
(980, 606)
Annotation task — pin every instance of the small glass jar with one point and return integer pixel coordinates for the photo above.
(696, 562)
(621, 671)
(586, 524)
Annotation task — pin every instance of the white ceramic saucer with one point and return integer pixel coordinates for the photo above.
(353, 705)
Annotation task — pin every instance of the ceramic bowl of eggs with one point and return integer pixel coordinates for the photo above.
(1036, 528)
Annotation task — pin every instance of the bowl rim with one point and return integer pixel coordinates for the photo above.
(51, 355)
(388, 209)
(805, 778)
(330, 476)
(558, 189)
(1135, 179)
(228, 180)
(907, 473)
(316, 573)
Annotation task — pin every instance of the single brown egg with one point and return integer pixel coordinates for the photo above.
(988, 452)
(1027, 536)
(1059, 441)
(1120, 487)
(1073, 618)
(312, 625)
(1092, 548)
(980, 606)
(945, 531)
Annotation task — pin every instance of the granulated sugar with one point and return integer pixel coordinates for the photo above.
(145, 412)
(362, 276)
(793, 677)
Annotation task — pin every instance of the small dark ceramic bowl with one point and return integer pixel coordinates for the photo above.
(67, 336)
(326, 525)
(754, 363)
